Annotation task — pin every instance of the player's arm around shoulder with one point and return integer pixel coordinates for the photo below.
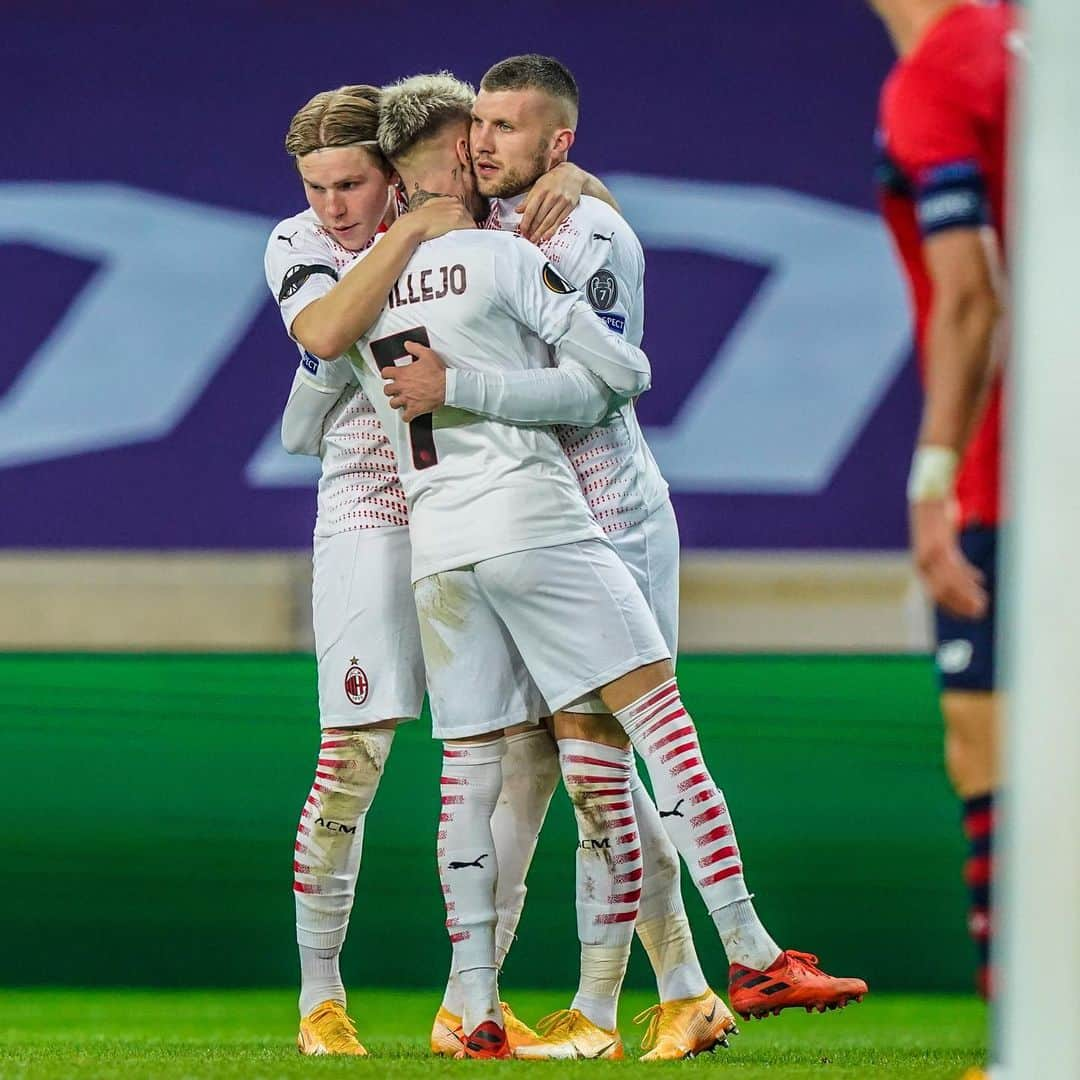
(554, 196)
(299, 268)
(333, 319)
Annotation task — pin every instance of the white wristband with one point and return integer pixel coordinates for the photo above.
(933, 473)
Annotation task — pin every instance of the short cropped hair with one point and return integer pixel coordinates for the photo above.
(533, 71)
(412, 110)
(342, 117)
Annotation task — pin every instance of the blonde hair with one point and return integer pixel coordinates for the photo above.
(347, 116)
(412, 110)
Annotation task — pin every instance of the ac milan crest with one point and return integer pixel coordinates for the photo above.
(356, 683)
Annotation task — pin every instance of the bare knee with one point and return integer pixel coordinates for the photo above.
(591, 727)
(635, 684)
(971, 741)
(474, 740)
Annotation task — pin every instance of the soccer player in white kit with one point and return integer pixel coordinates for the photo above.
(370, 668)
(368, 682)
(504, 562)
(523, 121)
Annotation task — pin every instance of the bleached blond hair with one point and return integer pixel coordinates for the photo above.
(413, 109)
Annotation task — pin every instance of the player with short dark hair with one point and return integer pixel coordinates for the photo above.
(517, 134)
(536, 72)
(943, 138)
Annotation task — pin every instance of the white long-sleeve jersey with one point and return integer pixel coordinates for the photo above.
(359, 486)
(476, 487)
(597, 251)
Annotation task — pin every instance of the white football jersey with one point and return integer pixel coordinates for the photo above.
(479, 488)
(598, 252)
(359, 487)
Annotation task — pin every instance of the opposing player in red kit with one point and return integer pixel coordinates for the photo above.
(943, 140)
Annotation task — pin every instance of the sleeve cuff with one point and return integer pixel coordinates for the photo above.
(452, 393)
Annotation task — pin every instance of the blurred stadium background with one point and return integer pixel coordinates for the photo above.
(158, 702)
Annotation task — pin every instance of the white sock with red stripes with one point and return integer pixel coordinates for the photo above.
(468, 870)
(597, 779)
(326, 860)
(696, 817)
(530, 771)
(662, 926)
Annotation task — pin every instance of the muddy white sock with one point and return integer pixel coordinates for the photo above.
(662, 926)
(746, 941)
(597, 779)
(326, 859)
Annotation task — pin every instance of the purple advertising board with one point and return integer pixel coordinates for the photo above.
(146, 365)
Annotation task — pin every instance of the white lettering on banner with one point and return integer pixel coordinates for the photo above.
(178, 285)
(794, 383)
(775, 411)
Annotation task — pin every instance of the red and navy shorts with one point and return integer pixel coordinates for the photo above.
(965, 647)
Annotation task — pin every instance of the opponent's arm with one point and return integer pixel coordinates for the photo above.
(330, 324)
(959, 371)
(959, 338)
(936, 143)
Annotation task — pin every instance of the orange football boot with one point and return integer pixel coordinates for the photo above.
(328, 1029)
(447, 1038)
(685, 1028)
(792, 980)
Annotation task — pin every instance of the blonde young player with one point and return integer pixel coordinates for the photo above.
(522, 122)
(367, 682)
(370, 670)
(511, 570)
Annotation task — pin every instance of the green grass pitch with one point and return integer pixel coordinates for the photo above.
(48, 1034)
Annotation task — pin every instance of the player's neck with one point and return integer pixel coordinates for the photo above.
(908, 22)
(440, 180)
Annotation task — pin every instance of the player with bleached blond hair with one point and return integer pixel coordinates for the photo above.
(522, 121)
(506, 568)
(370, 668)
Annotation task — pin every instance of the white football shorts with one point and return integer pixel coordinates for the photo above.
(570, 616)
(367, 641)
(650, 550)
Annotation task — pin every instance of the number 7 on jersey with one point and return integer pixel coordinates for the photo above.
(386, 352)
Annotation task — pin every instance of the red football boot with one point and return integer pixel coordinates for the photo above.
(488, 1040)
(792, 980)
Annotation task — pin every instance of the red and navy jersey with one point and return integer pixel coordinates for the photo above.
(942, 140)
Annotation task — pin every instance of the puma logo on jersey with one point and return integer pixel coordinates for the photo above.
(462, 865)
(288, 239)
(415, 286)
(674, 811)
(600, 236)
